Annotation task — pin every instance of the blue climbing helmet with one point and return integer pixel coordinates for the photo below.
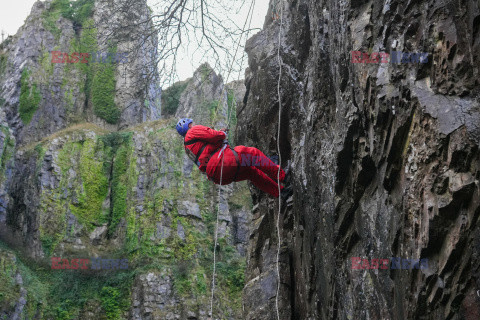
(182, 126)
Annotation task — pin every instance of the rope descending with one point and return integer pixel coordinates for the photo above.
(279, 157)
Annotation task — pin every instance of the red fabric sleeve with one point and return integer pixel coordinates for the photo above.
(205, 134)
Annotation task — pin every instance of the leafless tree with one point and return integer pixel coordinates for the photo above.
(208, 28)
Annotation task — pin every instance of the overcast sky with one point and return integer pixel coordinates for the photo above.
(14, 12)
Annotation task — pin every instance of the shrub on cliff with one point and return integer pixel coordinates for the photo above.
(29, 97)
(171, 97)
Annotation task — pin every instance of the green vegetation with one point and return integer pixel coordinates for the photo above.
(62, 294)
(87, 43)
(68, 95)
(8, 289)
(232, 107)
(182, 272)
(99, 84)
(103, 93)
(205, 71)
(71, 291)
(50, 18)
(231, 114)
(45, 71)
(110, 302)
(3, 64)
(77, 11)
(29, 97)
(119, 150)
(94, 185)
(7, 152)
(231, 268)
(171, 97)
(212, 107)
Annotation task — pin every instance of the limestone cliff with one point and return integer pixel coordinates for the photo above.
(89, 171)
(40, 97)
(385, 160)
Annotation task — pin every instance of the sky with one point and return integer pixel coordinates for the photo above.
(14, 12)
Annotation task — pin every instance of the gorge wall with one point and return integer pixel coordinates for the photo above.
(385, 160)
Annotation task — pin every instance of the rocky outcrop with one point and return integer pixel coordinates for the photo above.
(7, 150)
(203, 96)
(209, 101)
(132, 18)
(13, 290)
(385, 161)
(56, 95)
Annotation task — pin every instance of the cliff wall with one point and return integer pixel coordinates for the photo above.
(385, 160)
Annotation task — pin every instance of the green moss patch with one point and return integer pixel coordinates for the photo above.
(103, 93)
(119, 150)
(29, 97)
(171, 97)
(3, 64)
(7, 152)
(95, 185)
(77, 11)
(110, 302)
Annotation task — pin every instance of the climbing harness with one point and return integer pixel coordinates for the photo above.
(195, 157)
(190, 154)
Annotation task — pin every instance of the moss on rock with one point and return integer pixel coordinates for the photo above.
(171, 97)
(103, 93)
(7, 153)
(29, 97)
(76, 11)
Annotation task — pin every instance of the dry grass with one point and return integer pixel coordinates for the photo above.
(86, 126)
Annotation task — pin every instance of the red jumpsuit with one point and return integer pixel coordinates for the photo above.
(250, 164)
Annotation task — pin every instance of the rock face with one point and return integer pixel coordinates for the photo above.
(67, 93)
(192, 101)
(385, 161)
(12, 287)
(208, 100)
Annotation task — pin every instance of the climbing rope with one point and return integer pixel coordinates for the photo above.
(279, 157)
(216, 240)
(224, 92)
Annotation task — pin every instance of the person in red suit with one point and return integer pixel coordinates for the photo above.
(207, 147)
